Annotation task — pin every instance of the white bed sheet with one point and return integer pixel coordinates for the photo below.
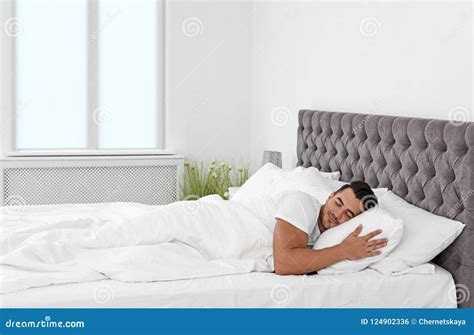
(364, 289)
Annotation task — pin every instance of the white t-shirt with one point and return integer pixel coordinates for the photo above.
(301, 210)
(296, 207)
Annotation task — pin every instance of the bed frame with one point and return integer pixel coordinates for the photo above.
(429, 163)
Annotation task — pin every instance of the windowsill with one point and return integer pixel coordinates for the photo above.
(55, 156)
(73, 153)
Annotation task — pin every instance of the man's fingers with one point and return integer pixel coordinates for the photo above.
(382, 241)
(357, 231)
(377, 246)
(372, 234)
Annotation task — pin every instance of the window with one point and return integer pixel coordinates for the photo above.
(88, 75)
(51, 74)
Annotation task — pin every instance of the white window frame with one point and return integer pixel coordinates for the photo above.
(162, 143)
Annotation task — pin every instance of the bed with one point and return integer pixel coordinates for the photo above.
(429, 163)
(374, 148)
(363, 289)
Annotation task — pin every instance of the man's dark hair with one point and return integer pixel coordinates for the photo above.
(363, 192)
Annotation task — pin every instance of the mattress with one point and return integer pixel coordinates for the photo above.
(363, 289)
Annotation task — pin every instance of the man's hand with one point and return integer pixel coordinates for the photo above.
(356, 247)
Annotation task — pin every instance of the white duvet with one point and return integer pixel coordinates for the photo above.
(182, 240)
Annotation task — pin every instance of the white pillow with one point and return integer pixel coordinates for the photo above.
(259, 184)
(372, 219)
(270, 179)
(331, 175)
(308, 180)
(425, 235)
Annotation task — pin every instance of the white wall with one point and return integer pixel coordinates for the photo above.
(209, 79)
(320, 55)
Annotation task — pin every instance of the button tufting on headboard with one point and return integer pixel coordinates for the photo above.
(430, 163)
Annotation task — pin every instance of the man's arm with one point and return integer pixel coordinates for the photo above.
(292, 256)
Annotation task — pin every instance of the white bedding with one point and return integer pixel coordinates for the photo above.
(232, 286)
(364, 289)
(182, 240)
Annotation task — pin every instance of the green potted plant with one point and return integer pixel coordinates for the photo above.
(201, 179)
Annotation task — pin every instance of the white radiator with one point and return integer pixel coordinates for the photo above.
(152, 180)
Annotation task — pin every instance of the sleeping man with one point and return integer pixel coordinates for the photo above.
(300, 219)
(183, 240)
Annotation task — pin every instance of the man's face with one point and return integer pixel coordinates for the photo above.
(339, 208)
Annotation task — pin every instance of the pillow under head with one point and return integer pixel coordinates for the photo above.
(372, 219)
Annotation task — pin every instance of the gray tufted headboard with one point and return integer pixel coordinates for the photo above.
(429, 163)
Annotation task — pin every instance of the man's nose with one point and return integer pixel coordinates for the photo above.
(339, 215)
